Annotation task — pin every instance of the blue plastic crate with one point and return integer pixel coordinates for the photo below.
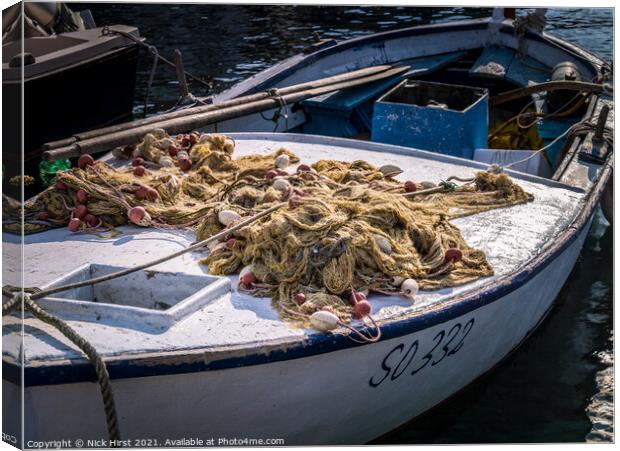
(448, 119)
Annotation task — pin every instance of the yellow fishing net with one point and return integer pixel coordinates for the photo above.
(348, 229)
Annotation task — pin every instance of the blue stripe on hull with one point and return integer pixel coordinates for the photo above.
(66, 373)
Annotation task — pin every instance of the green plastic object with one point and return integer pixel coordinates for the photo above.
(48, 169)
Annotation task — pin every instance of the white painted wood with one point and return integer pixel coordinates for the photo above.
(305, 401)
(510, 237)
(144, 300)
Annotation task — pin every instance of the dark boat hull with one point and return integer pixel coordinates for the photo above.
(92, 94)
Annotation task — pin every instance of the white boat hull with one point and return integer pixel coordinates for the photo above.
(343, 397)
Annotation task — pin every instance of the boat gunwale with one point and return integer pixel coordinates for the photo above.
(80, 61)
(131, 365)
(283, 69)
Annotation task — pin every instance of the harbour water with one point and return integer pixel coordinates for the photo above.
(558, 387)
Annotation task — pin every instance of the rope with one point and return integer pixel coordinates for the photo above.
(124, 272)
(103, 377)
(574, 130)
(346, 225)
(550, 86)
(362, 338)
(107, 30)
(155, 53)
(278, 113)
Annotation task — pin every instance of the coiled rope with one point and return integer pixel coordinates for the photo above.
(103, 377)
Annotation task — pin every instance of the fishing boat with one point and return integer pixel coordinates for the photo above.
(183, 357)
(64, 64)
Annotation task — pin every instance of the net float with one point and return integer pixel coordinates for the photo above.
(228, 217)
(384, 244)
(299, 298)
(324, 321)
(356, 297)
(282, 161)
(81, 196)
(281, 172)
(304, 168)
(166, 162)
(85, 160)
(138, 161)
(185, 164)
(152, 194)
(142, 192)
(270, 174)
(182, 154)
(231, 243)
(138, 216)
(139, 171)
(281, 184)
(410, 186)
(389, 170)
(43, 216)
(173, 150)
(166, 143)
(409, 288)
(80, 211)
(60, 185)
(454, 255)
(194, 137)
(91, 220)
(204, 138)
(247, 277)
(362, 309)
(74, 225)
(397, 281)
(158, 133)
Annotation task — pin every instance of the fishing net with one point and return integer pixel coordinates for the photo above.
(347, 229)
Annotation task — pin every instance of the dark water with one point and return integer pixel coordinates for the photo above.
(558, 387)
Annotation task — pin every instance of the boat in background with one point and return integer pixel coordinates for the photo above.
(76, 76)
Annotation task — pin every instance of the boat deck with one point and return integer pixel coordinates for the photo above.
(510, 237)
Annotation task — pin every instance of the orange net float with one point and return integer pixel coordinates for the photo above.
(85, 160)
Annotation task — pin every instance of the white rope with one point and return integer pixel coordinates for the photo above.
(542, 149)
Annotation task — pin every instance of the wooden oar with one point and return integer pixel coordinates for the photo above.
(549, 86)
(194, 121)
(215, 107)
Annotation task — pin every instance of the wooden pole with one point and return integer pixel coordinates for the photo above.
(548, 86)
(194, 121)
(178, 64)
(214, 107)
